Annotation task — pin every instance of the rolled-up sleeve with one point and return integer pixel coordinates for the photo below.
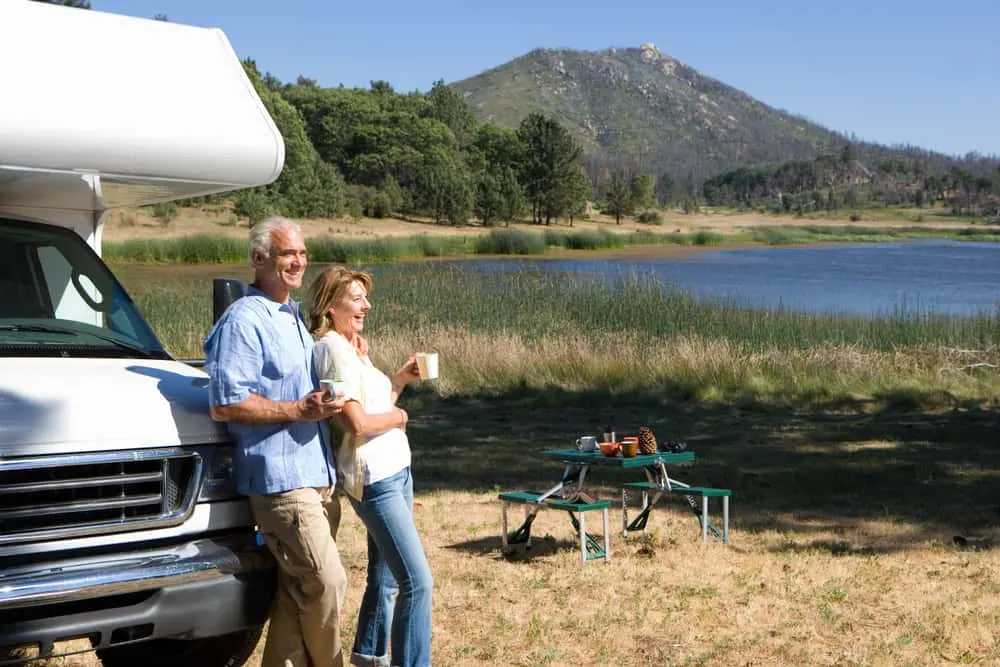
(233, 361)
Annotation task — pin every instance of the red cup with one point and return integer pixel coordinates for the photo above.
(609, 448)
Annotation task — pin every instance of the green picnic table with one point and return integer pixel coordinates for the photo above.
(569, 495)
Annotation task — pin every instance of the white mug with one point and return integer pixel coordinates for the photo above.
(586, 443)
(427, 365)
(333, 388)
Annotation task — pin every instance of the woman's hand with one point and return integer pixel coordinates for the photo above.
(407, 373)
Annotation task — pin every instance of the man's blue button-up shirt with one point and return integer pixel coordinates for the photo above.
(260, 346)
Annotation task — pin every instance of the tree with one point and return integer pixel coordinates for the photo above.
(618, 197)
(849, 153)
(445, 190)
(495, 148)
(489, 199)
(550, 163)
(381, 87)
(271, 82)
(576, 193)
(447, 106)
(511, 194)
(642, 191)
(394, 194)
(665, 189)
(308, 186)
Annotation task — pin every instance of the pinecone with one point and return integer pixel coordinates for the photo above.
(647, 441)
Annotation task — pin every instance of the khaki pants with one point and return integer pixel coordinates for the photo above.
(300, 529)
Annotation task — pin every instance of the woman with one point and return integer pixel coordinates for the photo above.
(373, 464)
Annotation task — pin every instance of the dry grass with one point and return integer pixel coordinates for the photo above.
(841, 548)
(821, 597)
(220, 220)
(698, 368)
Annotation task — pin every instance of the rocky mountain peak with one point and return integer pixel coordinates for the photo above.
(649, 52)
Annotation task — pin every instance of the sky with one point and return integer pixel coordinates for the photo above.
(918, 72)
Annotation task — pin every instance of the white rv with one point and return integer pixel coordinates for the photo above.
(119, 523)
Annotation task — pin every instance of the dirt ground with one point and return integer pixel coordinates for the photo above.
(220, 220)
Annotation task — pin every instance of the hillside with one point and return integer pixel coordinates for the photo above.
(643, 108)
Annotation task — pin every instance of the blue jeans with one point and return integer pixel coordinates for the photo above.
(396, 607)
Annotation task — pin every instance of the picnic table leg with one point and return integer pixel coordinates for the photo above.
(607, 537)
(503, 520)
(573, 472)
(704, 518)
(725, 519)
(639, 522)
(678, 486)
(624, 512)
(591, 547)
(523, 533)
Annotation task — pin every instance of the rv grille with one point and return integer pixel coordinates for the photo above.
(52, 497)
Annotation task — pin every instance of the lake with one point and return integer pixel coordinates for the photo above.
(939, 276)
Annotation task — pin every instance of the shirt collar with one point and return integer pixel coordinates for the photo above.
(272, 306)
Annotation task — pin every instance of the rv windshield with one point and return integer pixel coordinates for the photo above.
(57, 298)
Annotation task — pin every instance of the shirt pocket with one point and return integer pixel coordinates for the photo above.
(284, 361)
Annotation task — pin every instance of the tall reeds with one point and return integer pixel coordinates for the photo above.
(500, 331)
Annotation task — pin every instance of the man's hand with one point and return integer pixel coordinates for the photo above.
(258, 410)
(317, 405)
(361, 345)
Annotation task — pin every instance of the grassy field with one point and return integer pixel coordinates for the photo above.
(857, 451)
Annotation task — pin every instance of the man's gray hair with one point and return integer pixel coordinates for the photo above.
(261, 234)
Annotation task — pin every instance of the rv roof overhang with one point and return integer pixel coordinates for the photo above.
(101, 111)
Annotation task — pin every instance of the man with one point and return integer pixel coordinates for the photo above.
(259, 359)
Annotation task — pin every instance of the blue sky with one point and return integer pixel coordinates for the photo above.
(893, 71)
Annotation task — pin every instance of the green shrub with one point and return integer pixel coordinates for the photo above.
(708, 238)
(650, 218)
(379, 206)
(253, 205)
(778, 236)
(510, 242)
(165, 211)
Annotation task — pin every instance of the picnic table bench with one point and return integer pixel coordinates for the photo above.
(590, 548)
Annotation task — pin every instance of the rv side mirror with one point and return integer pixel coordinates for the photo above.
(224, 292)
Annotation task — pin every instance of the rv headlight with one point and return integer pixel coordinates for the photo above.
(217, 482)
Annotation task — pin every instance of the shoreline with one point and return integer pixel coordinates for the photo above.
(204, 237)
(129, 224)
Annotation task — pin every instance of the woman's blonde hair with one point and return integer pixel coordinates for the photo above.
(328, 288)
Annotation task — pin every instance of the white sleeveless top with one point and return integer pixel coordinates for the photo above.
(361, 460)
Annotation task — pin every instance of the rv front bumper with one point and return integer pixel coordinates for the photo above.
(202, 588)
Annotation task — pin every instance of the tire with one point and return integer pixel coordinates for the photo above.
(231, 650)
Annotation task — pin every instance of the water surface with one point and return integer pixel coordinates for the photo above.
(939, 276)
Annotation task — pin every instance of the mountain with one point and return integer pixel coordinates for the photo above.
(640, 108)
